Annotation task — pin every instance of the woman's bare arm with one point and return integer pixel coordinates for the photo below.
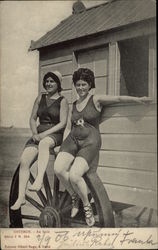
(68, 125)
(33, 118)
(104, 100)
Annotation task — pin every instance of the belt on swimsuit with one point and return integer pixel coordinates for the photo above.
(80, 122)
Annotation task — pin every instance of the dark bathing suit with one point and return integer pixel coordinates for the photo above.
(48, 116)
(84, 140)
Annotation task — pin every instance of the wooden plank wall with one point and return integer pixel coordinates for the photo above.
(96, 60)
(127, 164)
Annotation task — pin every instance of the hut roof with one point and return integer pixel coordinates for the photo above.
(97, 19)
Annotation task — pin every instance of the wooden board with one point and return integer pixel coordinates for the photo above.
(127, 142)
(54, 54)
(96, 59)
(128, 177)
(68, 95)
(67, 82)
(152, 67)
(129, 125)
(135, 196)
(55, 60)
(101, 58)
(101, 84)
(114, 69)
(129, 160)
(129, 109)
(65, 68)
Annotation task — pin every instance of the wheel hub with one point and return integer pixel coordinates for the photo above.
(49, 218)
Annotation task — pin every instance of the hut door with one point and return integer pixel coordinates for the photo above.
(96, 60)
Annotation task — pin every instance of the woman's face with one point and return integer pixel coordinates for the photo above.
(51, 85)
(82, 88)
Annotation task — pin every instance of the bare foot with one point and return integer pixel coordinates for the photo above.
(18, 204)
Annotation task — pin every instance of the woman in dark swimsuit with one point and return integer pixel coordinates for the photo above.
(52, 110)
(83, 141)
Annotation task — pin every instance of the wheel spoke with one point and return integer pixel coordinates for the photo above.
(34, 203)
(48, 190)
(66, 209)
(66, 204)
(31, 179)
(63, 199)
(55, 202)
(42, 197)
(30, 217)
(39, 193)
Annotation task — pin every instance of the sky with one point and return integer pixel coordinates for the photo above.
(21, 22)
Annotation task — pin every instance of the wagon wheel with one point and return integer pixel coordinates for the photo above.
(39, 204)
(52, 208)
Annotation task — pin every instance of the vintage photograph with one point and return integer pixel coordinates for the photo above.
(78, 114)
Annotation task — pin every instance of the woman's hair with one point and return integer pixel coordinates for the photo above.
(86, 75)
(54, 77)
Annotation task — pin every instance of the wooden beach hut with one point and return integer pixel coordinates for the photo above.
(117, 40)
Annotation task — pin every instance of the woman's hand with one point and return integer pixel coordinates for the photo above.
(36, 137)
(41, 135)
(145, 99)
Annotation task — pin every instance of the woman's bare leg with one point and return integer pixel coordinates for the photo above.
(27, 157)
(62, 165)
(43, 158)
(78, 169)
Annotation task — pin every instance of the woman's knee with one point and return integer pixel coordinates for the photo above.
(74, 177)
(58, 167)
(28, 156)
(46, 143)
(78, 169)
(62, 163)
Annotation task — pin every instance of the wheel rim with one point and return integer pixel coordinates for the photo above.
(15, 216)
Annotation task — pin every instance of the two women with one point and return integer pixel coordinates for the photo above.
(51, 109)
(82, 139)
